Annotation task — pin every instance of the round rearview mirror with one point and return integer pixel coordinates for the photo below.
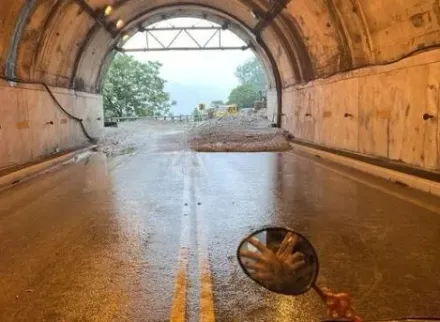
(280, 260)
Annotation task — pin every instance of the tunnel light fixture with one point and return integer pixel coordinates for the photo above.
(125, 37)
(120, 24)
(108, 10)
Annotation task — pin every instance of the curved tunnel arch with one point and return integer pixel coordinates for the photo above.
(90, 79)
(203, 11)
(145, 19)
(52, 41)
(62, 46)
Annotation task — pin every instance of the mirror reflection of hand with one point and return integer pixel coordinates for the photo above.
(274, 269)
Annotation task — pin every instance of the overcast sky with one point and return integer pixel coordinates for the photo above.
(208, 71)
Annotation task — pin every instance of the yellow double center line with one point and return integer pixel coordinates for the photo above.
(206, 303)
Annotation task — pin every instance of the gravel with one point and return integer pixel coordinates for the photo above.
(117, 141)
(130, 136)
(246, 132)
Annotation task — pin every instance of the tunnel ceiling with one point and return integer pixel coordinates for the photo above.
(68, 43)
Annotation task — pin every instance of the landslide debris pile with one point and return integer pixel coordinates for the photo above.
(248, 132)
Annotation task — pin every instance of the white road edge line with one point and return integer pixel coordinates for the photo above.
(178, 306)
(206, 297)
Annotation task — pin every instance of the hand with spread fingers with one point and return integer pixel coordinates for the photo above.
(273, 269)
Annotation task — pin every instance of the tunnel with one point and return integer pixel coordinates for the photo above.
(353, 75)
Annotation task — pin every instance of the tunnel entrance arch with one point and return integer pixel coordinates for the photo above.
(143, 20)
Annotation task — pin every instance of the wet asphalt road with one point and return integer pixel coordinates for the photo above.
(96, 241)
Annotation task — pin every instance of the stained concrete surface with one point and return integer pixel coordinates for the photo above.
(33, 127)
(93, 242)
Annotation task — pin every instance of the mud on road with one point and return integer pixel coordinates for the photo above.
(242, 133)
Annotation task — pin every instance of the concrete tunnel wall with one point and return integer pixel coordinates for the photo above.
(32, 126)
(374, 111)
(324, 56)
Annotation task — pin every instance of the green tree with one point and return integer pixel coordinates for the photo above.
(244, 95)
(133, 88)
(252, 72)
(252, 84)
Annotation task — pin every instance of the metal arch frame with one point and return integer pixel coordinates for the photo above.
(155, 32)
